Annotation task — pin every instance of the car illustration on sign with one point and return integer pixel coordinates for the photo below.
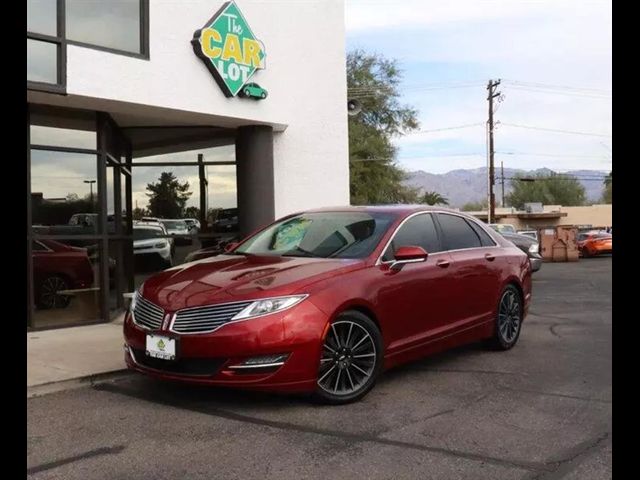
(253, 90)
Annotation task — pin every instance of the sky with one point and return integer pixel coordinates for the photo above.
(554, 59)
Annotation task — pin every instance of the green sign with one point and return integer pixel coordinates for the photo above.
(230, 50)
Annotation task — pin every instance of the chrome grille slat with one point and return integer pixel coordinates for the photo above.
(207, 318)
(147, 314)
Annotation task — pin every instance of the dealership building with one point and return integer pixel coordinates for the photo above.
(175, 110)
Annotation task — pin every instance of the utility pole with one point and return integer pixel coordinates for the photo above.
(502, 178)
(491, 87)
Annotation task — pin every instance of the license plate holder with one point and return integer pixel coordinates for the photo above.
(161, 346)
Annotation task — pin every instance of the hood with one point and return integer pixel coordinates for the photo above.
(229, 278)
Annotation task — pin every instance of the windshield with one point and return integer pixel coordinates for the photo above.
(145, 233)
(174, 224)
(323, 234)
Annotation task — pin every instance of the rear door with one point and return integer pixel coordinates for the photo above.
(477, 267)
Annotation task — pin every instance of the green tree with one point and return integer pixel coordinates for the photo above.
(167, 197)
(474, 206)
(607, 195)
(547, 189)
(138, 213)
(434, 198)
(192, 212)
(374, 175)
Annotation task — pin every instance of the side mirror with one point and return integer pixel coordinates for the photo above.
(408, 254)
(230, 246)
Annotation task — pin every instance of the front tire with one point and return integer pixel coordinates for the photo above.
(508, 320)
(351, 359)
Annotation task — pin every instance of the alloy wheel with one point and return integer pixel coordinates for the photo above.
(509, 316)
(49, 296)
(348, 359)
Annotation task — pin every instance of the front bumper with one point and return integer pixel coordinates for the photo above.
(205, 358)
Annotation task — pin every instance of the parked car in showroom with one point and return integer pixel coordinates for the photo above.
(323, 301)
(227, 221)
(179, 230)
(529, 246)
(192, 224)
(150, 245)
(595, 243)
(56, 268)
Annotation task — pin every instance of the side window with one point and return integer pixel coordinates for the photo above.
(419, 231)
(457, 233)
(485, 239)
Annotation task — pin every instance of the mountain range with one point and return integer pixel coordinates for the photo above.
(470, 185)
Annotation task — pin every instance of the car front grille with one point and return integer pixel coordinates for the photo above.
(183, 366)
(206, 319)
(146, 314)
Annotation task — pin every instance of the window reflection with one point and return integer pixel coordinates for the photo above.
(113, 24)
(64, 193)
(42, 61)
(62, 137)
(66, 282)
(42, 17)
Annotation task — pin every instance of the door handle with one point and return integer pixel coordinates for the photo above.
(442, 263)
(489, 257)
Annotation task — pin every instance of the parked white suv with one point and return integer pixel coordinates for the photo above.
(149, 244)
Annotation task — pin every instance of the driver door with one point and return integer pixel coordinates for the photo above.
(417, 297)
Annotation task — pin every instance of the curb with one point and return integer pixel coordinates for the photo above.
(74, 383)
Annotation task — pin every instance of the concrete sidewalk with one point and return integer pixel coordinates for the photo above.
(72, 357)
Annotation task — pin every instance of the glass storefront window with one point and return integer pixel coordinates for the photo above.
(114, 24)
(42, 17)
(62, 137)
(66, 286)
(42, 61)
(165, 192)
(64, 193)
(214, 154)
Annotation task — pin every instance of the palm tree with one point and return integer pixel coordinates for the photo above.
(434, 198)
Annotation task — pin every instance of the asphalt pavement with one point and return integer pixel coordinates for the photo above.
(539, 411)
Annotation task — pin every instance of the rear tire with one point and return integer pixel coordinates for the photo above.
(351, 359)
(508, 322)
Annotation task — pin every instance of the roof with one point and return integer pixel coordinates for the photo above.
(396, 209)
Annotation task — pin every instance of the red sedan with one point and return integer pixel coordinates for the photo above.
(324, 301)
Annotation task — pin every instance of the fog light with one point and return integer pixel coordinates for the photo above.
(263, 361)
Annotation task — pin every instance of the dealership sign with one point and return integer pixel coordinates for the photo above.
(229, 49)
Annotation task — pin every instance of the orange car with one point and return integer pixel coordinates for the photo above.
(594, 243)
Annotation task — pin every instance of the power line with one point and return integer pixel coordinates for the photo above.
(571, 132)
(456, 127)
(525, 154)
(378, 159)
(557, 87)
(557, 92)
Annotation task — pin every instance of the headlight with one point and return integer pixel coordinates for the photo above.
(269, 305)
(534, 248)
